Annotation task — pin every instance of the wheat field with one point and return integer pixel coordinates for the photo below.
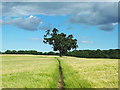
(42, 71)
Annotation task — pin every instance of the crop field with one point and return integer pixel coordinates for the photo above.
(37, 71)
(90, 73)
(29, 72)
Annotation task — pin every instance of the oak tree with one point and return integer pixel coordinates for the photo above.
(60, 42)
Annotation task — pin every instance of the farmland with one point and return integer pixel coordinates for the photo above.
(90, 73)
(29, 72)
(37, 71)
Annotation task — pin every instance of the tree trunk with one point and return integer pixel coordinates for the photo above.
(60, 53)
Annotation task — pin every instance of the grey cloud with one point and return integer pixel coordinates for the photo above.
(46, 27)
(108, 27)
(101, 14)
(60, 1)
(28, 8)
(29, 23)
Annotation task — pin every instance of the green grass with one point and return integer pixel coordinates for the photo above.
(29, 72)
(40, 71)
(90, 73)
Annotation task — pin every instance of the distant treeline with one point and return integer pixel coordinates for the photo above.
(112, 53)
(33, 52)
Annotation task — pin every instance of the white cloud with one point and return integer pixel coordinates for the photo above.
(114, 24)
(101, 14)
(87, 42)
(31, 16)
(29, 23)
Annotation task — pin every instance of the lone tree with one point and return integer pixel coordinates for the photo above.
(60, 42)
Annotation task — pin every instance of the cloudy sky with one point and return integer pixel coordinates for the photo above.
(93, 24)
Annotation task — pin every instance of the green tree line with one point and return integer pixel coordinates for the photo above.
(111, 53)
(33, 52)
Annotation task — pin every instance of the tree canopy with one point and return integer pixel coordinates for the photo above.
(60, 42)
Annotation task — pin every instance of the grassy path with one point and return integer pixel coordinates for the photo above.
(60, 82)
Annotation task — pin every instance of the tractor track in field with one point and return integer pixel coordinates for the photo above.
(60, 82)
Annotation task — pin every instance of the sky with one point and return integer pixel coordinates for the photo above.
(93, 24)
